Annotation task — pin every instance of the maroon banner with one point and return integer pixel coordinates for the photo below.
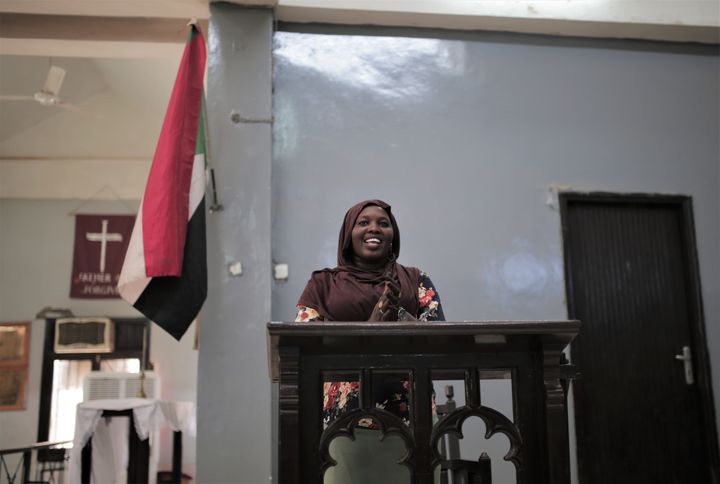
(100, 245)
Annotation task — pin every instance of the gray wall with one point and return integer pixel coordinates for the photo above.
(465, 135)
(233, 385)
(468, 136)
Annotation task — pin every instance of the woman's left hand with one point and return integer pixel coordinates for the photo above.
(386, 309)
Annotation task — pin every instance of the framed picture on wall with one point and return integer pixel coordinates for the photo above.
(13, 387)
(14, 364)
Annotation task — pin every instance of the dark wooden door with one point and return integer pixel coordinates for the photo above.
(632, 280)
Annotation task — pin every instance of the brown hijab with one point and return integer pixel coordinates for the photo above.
(348, 293)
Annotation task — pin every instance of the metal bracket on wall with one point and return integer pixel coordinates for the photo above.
(236, 118)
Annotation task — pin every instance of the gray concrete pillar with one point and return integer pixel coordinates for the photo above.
(233, 442)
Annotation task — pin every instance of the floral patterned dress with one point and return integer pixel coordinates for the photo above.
(342, 396)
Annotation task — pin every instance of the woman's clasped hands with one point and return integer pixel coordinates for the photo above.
(386, 309)
(387, 306)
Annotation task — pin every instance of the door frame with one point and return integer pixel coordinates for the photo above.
(133, 349)
(698, 336)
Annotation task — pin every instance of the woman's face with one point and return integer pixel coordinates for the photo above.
(372, 236)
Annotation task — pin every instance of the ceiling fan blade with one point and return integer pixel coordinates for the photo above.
(19, 97)
(54, 80)
(72, 107)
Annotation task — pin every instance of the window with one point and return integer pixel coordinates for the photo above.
(63, 375)
(121, 365)
(68, 378)
(67, 390)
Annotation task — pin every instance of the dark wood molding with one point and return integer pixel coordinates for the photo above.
(345, 426)
(46, 381)
(289, 419)
(495, 422)
(303, 355)
(438, 331)
(556, 411)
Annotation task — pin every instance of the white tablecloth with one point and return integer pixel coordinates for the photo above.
(110, 450)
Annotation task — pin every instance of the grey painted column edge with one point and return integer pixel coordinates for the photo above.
(234, 424)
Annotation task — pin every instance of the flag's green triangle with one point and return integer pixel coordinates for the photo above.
(193, 32)
(200, 143)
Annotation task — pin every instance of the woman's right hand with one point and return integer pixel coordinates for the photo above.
(386, 309)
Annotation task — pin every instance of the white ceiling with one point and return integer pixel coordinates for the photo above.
(126, 78)
(111, 8)
(20, 75)
(122, 102)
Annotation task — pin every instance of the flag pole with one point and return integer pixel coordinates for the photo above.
(215, 206)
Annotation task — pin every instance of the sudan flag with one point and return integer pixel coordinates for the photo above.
(164, 275)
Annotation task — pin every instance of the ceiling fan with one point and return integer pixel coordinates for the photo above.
(49, 95)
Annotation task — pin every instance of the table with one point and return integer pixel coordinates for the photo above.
(99, 451)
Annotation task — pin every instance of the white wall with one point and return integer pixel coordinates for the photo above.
(54, 162)
(36, 244)
(55, 179)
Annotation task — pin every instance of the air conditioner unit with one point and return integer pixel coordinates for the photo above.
(84, 335)
(103, 385)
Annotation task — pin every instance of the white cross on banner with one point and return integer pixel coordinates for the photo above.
(100, 245)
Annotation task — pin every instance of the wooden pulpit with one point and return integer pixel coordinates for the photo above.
(302, 356)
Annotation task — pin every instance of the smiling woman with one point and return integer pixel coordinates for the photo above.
(368, 283)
